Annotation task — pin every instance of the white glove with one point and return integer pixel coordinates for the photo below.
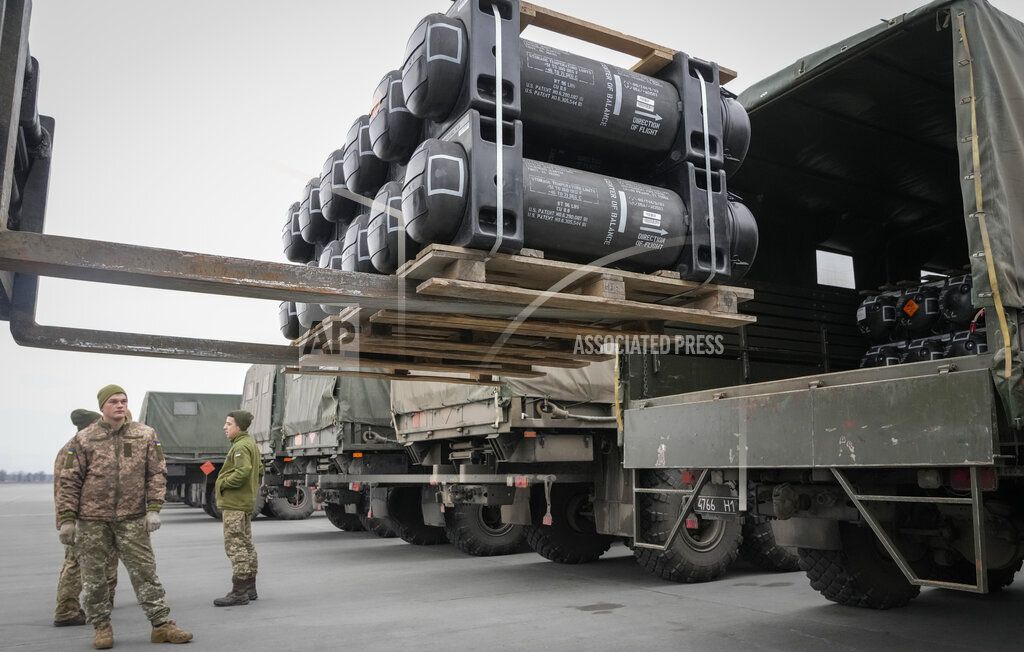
(67, 533)
(152, 521)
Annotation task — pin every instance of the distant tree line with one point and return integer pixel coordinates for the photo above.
(22, 476)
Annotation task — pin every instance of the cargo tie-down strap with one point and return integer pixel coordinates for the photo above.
(979, 203)
(707, 176)
(499, 101)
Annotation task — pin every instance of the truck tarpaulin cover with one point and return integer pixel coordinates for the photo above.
(189, 425)
(592, 384)
(316, 402)
(867, 147)
(264, 382)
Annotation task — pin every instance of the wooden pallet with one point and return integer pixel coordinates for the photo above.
(393, 344)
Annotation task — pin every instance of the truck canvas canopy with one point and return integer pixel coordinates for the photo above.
(189, 425)
(868, 148)
(592, 384)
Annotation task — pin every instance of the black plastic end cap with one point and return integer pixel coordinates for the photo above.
(436, 191)
(435, 67)
(394, 130)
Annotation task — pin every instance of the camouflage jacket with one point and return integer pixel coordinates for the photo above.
(112, 475)
(57, 465)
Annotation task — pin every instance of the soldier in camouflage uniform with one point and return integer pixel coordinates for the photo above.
(69, 583)
(237, 484)
(112, 486)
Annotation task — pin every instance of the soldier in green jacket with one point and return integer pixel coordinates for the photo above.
(237, 484)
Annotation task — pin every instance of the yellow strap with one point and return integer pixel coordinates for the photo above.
(618, 397)
(979, 204)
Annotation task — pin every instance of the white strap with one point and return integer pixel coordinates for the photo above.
(707, 176)
(499, 170)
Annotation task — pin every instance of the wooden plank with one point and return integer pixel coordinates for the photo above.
(608, 286)
(653, 57)
(482, 379)
(584, 304)
(544, 273)
(467, 270)
(532, 354)
(584, 30)
(439, 353)
(318, 360)
(533, 328)
(653, 62)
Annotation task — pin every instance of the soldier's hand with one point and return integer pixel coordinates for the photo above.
(152, 521)
(67, 533)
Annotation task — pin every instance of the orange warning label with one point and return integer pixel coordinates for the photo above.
(207, 467)
(910, 307)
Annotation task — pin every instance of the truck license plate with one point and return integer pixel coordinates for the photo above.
(717, 505)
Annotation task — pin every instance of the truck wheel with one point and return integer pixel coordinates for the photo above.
(295, 508)
(210, 502)
(259, 504)
(1001, 578)
(700, 554)
(998, 578)
(478, 530)
(378, 526)
(759, 548)
(572, 537)
(190, 495)
(406, 518)
(341, 519)
(862, 574)
(265, 509)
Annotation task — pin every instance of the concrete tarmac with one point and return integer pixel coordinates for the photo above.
(321, 588)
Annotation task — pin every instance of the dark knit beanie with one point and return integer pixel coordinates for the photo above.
(104, 394)
(242, 418)
(84, 418)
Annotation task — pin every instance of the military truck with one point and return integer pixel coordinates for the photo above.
(538, 462)
(306, 425)
(901, 148)
(191, 430)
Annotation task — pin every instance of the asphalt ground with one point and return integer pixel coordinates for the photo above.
(321, 588)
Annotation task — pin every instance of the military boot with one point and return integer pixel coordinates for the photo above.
(77, 619)
(238, 595)
(251, 589)
(169, 632)
(103, 637)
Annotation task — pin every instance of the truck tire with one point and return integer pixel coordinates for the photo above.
(1001, 578)
(210, 502)
(190, 496)
(572, 537)
(998, 578)
(860, 575)
(406, 517)
(698, 555)
(295, 508)
(479, 531)
(377, 526)
(265, 509)
(341, 519)
(759, 548)
(258, 505)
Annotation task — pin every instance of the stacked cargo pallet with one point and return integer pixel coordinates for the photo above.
(563, 195)
(922, 322)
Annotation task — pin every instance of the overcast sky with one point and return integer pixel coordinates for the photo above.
(194, 124)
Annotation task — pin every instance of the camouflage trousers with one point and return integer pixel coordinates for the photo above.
(69, 584)
(96, 542)
(238, 543)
